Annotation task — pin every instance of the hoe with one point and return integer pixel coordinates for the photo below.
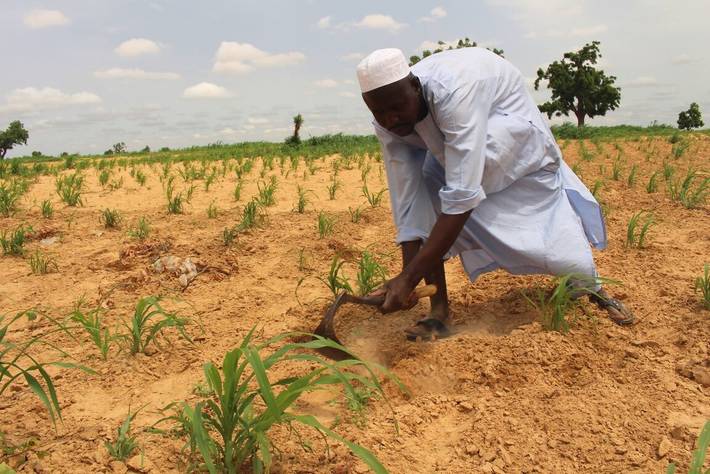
(326, 328)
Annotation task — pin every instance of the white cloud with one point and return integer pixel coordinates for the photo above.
(137, 47)
(44, 18)
(257, 120)
(206, 90)
(380, 22)
(589, 30)
(643, 81)
(352, 57)
(682, 59)
(436, 13)
(32, 98)
(347, 94)
(241, 58)
(324, 22)
(326, 83)
(121, 73)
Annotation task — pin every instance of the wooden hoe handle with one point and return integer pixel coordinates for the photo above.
(424, 291)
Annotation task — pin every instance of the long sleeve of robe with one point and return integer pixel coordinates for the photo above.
(485, 147)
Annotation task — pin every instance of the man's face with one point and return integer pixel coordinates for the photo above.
(397, 106)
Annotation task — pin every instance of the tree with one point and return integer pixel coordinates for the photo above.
(578, 87)
(119, 147)
(295, 139)
(462, 43)
(15, 134)
(690, 118)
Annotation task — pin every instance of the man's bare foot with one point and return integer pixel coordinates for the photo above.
(618, 313)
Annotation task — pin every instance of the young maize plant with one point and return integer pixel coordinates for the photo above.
(370, 274)
(103, 177)
(326, 224)
(92, 324)
(212, 211)
(702, 445)
(302, 201)
(355, 214)
(652, 185)
(555, 307)
(125, 444)
(41, 264)
(333, 188)
(336, 281)
(636, 239)
(9, 197)
(18, 363)
(148, 322)
(110, 218)
(47, 209)
(13, 243)
(374, 198)
(228, 432)
(69, 189)
(141, 230)
(702, 284)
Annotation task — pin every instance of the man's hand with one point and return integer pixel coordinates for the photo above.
(398, 294)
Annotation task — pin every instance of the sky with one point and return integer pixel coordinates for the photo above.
(84, 74)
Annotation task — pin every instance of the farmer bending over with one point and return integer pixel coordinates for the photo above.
(473, 170)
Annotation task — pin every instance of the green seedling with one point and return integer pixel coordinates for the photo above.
(554, 308)
(237, 192)
(355, 214)
(370, 274)
(12, 243)
(336, 280)
(636, 239)
(9, 196)
(17, 362)
(47, 209)
(685, 192)
(110, 218)
(125, 444)
(91, 323)
(69, 189)
(333, 188)
(326, 224)
(374, 198)
(652, 185)
(140, 177)
(231, 429)
(668, 171)
(702, 284)
(302, 201)
(597, 186)
(266, 193)
(148, 322)
(141, 230)
(616, 170)
(212, 211)
(103, 177)
(631, 180)
(41, 264)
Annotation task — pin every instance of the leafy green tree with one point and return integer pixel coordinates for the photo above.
(15, 134)
(119, 147)
(462, 43)
(690, 118)
(578, 87)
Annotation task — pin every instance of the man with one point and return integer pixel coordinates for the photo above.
(473, 170)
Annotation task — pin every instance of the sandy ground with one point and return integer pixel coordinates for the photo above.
(500, 395)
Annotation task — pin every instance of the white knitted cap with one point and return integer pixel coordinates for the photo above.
(382, 67)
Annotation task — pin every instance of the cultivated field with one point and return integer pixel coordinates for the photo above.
(501, 395)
